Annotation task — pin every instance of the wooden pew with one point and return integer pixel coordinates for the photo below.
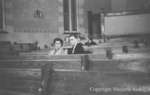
(27, 80)
(118, 47)
(107, 77)
(89, 75)
(28, 75)
(25, 47)
(6, 49)
(68, 62)
(98, 83)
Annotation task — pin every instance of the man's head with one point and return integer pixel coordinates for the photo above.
(73, 39)
(58, 43)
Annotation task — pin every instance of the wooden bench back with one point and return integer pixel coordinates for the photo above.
(25, 76)
(24, 80)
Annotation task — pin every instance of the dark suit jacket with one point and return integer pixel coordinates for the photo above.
(78, 49)
(90, 43)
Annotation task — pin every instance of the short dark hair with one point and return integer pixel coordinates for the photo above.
(58, 39)
(74, 35)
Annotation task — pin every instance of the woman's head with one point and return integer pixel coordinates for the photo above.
(58, 43)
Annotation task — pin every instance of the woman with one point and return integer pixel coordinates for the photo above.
(58, 47)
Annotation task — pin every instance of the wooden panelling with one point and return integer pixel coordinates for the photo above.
(8, 92)
(6, 48)
(24, 80)
(30, 64)
(82, 83)
(113, 66)
(74, 75)
(20, 73)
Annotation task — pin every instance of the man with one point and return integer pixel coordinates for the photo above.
(77, 47)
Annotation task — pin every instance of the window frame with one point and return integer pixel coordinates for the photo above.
(73, 17)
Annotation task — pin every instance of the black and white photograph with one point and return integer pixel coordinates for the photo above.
(74, 47)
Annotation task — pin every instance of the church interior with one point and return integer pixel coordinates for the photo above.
(74, 47)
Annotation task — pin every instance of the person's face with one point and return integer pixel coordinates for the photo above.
(57, 44)
(73, 40)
